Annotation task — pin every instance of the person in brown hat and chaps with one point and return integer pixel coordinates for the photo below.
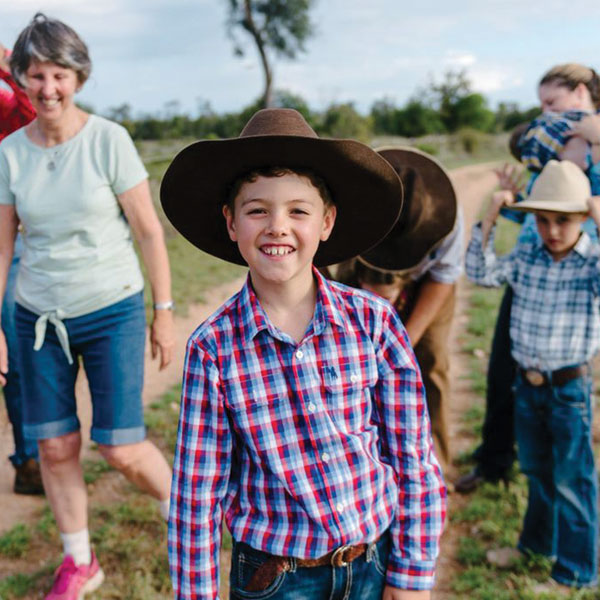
(416, 267)
(303, 419)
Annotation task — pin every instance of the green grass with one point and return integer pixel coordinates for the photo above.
(16, 586)
(94, 469)
(15, 542)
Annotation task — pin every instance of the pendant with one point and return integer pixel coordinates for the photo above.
(51, 166)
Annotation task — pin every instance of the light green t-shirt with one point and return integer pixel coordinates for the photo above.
(78, 253)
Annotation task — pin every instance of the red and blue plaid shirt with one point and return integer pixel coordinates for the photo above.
(303, 447)
(15, 109)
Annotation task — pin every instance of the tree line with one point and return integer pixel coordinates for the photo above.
(445, 106)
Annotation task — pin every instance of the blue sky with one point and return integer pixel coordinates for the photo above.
(149, 52)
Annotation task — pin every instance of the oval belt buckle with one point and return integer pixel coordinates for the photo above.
(339, 554)
(535, 378)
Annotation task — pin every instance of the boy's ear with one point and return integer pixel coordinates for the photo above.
(328, 222)
(230, 223)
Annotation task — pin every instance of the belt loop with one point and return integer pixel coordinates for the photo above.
(370, 552)
(292, 564)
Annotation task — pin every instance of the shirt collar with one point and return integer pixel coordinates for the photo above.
(252, 319)
(583, 247)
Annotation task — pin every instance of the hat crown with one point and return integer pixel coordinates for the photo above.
(278, 121)
(562, 181)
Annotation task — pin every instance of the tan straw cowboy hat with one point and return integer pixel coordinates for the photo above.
(560, 187)
(364, 187)
(428, 214)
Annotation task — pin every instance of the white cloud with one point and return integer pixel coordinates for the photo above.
(459, 59)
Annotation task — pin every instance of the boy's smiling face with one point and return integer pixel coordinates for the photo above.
(278, 223)
(559, 231)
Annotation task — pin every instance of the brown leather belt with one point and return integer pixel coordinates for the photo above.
(275, 565)
(559, 377)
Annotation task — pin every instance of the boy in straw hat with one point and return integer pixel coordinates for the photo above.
(555, 332)
(303, 417)
(415, 268)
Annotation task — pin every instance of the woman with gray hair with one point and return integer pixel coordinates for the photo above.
(78, 187)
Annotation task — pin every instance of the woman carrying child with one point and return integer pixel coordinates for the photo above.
(569, 128)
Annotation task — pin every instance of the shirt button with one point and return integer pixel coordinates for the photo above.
(354, 378)
(340, 507)
(325, 456)
(299, 354)
(312, 407)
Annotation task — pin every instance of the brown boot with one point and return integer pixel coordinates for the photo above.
(28, 479)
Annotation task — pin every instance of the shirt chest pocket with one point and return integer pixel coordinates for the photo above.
(348, 393)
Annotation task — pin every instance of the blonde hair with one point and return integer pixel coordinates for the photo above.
(570, 75)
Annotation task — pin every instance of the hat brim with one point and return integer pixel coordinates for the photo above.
(365, 189)
(549, 205)
(405, 247)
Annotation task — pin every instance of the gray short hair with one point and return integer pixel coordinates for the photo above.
(49, 40)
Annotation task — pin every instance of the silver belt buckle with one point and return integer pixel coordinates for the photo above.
(338, 553)
(534, 378)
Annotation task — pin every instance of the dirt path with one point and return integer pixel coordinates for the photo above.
(472, 185)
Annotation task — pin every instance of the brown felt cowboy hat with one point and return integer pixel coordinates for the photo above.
(428, 214)
(364, 187)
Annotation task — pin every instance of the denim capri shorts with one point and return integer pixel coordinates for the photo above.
(110, 342)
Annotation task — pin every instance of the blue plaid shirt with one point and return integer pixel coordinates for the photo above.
(303, 447)
(555, 316)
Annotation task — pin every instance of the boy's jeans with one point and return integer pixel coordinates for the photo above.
(362, 579)
(25, 448)
(553, 431)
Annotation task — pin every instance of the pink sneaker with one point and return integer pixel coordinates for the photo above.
(72, 582)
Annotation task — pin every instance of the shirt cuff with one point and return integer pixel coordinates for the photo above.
(406, 574)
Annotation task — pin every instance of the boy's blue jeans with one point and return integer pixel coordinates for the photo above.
(25, 448)
(362, 579)
(553, 431)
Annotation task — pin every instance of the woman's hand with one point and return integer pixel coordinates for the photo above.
(509, 178)
(392, 593)
(162, 337)
(4, 54)
(3, 359)
(588, 129)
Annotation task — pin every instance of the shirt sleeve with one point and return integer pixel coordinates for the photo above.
(406, 444)
(482, 266)
(125, 167)
(15, 108)
(200, 479)
(449, 256)
(6, 196)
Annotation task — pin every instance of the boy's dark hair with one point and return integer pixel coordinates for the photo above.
(251, 176)
(514, 142)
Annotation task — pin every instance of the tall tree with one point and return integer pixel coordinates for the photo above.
(276, 26)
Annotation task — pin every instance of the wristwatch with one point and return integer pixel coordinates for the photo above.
(170, 305)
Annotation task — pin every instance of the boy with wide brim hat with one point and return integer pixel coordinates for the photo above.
(416, 267)
(555, 333)
(302, 418)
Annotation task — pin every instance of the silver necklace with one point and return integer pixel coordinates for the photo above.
(53, 159)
